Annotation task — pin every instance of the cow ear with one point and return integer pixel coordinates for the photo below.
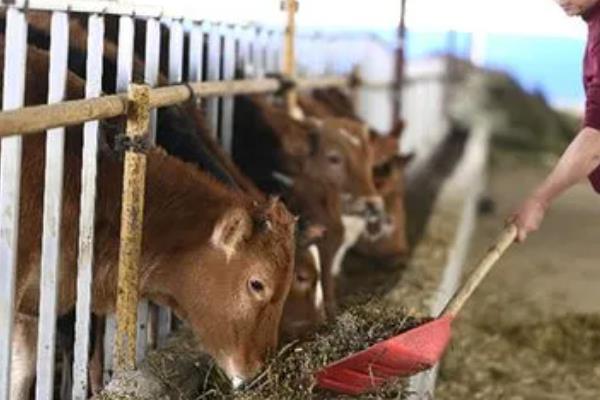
(397, 129)
(229, 232)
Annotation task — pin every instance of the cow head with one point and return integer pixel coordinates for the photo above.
(304, 308)
(232, 291)
(342, 154)
(388, 176)
(318, 201)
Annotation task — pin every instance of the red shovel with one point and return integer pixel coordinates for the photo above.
(412, 351)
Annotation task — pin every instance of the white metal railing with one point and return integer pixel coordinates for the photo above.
(258, 47)
(93, 88)
(13, 96)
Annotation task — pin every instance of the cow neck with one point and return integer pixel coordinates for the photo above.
(183, 198)
(182, 204)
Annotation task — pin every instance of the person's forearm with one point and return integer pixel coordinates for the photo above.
(577, 162)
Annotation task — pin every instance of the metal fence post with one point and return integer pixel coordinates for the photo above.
(85, 257)
(132, 212)
(213, 73)
(10, 175)
(229, 61)
(51, 240)
(124, 77)
(289, 54)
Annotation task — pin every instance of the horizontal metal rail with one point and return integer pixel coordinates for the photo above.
(322, 82)
(34, 119)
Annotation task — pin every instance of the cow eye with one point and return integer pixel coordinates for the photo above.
(301, 278)
(334, 158)
(257, 286)
(383, 170)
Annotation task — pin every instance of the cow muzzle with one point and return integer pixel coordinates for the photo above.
(237, 374)
(377, 222)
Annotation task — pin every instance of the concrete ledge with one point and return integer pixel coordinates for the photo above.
(461, 192)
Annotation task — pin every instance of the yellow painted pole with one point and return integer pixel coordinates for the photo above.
(289, 54)
(132, 212)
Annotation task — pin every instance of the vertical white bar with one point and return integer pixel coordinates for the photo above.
(85, 257)
(165, 317)
(124, 76)
(151, 66)
(53, 184)
(268, 49)
(229, 60)
(10, 178)
(196, 53)
(213, 74)
(259, 52)
(273, 45)
(110, 334)
(141, 344)
(176, 52)
(125, 53)
(274, 50)
(243, 62)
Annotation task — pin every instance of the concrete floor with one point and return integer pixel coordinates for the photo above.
(555, 273)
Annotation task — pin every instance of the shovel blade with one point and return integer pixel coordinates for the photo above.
(404, 355)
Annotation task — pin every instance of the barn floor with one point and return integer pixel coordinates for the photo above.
(532, 331)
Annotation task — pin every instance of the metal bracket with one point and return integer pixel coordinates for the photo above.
(285, 83)
(137, 144)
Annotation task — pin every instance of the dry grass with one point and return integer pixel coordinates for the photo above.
(289, 375)
(556, 358)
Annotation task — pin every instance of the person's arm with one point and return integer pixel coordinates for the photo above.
(577, 162)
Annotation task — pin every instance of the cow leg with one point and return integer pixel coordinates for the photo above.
(96, 364)
(65, 342)
(23, 357)
(66, 382)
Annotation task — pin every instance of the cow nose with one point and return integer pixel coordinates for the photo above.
(374, 208)
(236, 373)
(236, 382)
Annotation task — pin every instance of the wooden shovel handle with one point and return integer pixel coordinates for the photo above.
(506, 238)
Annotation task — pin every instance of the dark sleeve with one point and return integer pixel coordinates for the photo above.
(592, 103)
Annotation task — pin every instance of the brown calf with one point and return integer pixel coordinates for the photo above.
(266, 140)
(386, 242)
(334, 159)
(392, 245)
(183, 132)
(222, 261)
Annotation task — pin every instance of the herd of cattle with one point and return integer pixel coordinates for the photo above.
(244, 247)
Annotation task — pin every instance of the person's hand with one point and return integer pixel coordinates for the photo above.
(528, 217)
